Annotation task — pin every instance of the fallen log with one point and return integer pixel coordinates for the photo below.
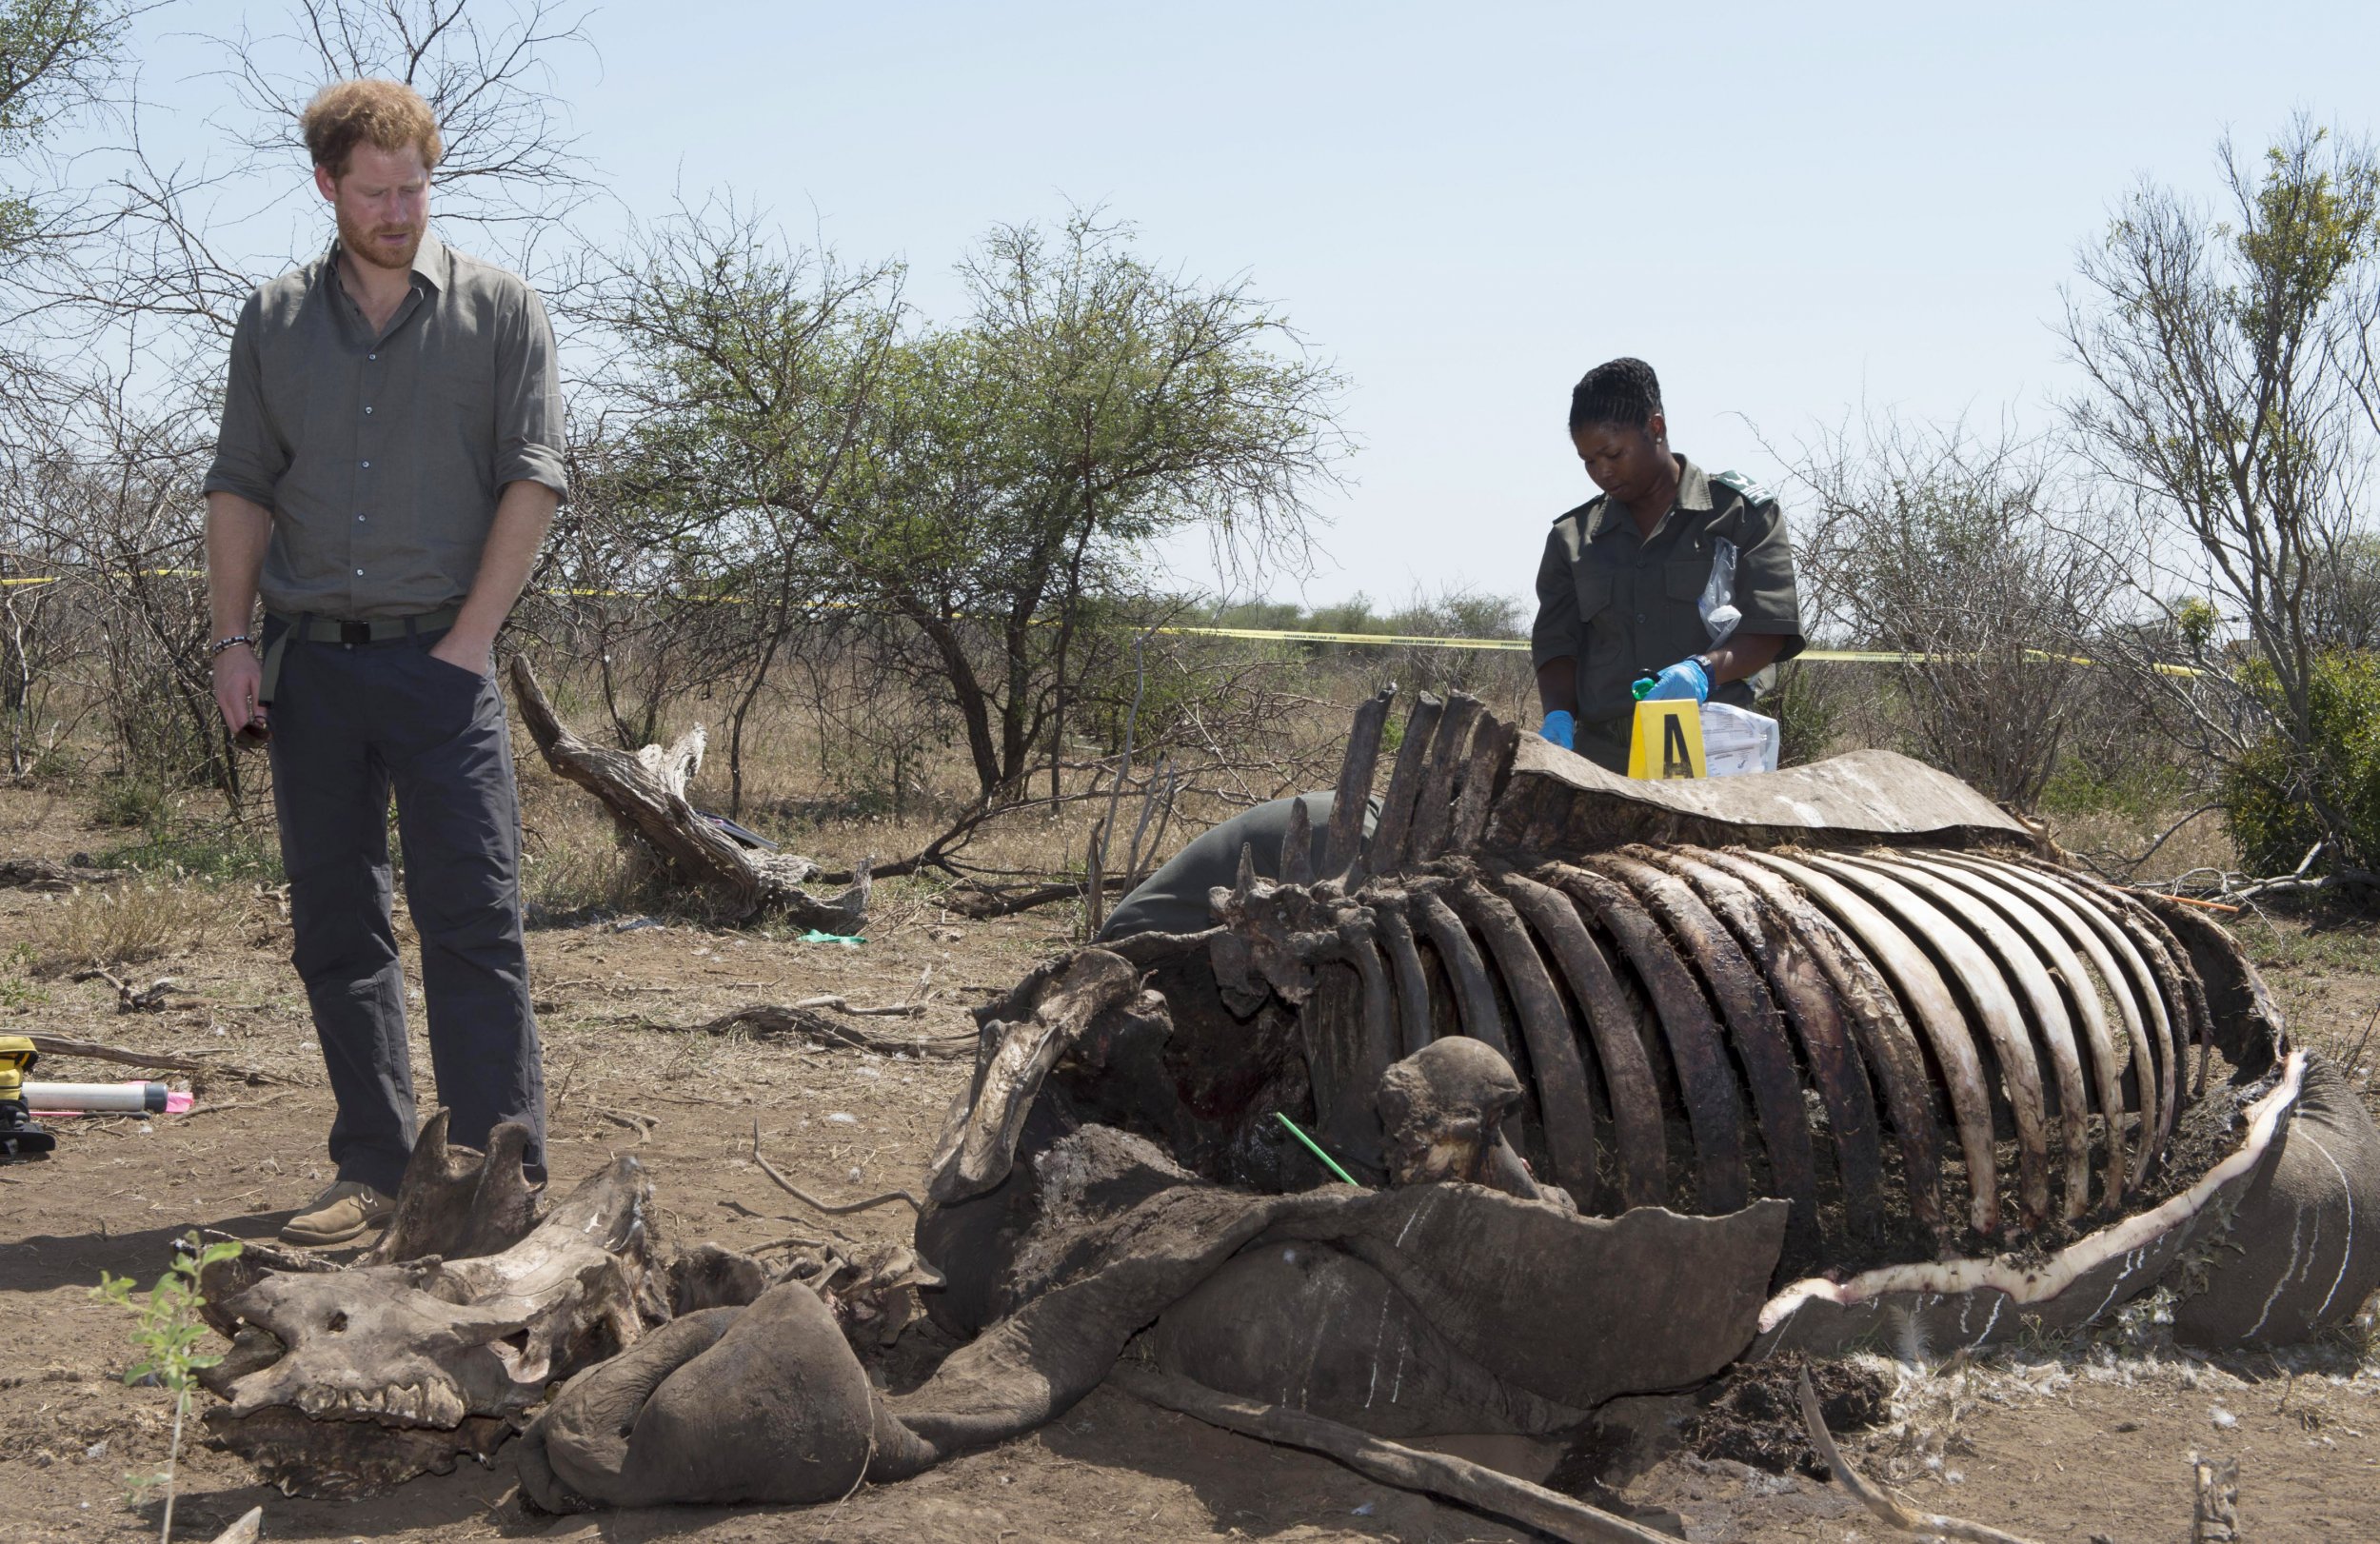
(645, 794)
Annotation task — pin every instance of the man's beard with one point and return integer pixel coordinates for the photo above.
(357, 240)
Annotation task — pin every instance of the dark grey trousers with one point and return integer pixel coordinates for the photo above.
(350, 723)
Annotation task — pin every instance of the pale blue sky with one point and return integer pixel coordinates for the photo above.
(1788, 210)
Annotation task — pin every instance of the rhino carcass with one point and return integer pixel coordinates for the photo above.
(1996, 1093)
(1637, 1079)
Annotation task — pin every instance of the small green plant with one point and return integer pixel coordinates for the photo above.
(126, 800)
(2195, 620)
(16, 968)
(170, 1332)
(211, 851)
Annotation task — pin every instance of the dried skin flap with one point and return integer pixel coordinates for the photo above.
(1952, 1302)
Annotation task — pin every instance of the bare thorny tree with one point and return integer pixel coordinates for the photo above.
(123, 290)
(2232, 395)
(511, 181)
(1964, 553)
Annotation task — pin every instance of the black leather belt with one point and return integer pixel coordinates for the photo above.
(331, 631)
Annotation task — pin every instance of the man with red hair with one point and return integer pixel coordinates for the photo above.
(389, 460)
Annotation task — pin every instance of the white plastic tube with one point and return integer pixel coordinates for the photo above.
(152, 1099)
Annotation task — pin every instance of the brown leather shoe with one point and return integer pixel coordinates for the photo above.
(344, 1211)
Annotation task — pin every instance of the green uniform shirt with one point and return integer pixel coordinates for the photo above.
(1624, 606)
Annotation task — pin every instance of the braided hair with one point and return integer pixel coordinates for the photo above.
(1624, 392)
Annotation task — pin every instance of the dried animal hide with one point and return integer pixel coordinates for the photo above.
(346, 1381)
(1477, 1298)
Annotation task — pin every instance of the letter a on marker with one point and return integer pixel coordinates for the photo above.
(1676, 728)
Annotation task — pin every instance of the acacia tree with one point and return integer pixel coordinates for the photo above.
(744, 387)
(1092, 405)
(2230, 395)
(58, 58)
(988, 485)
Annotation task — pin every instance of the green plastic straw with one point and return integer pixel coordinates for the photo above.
(1313, 1147)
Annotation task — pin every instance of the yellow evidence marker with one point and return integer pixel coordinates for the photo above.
(1668, 740)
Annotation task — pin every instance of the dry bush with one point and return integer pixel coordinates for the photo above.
(1931, 543)
(121, 925)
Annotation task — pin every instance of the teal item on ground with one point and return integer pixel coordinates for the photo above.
(814, 936)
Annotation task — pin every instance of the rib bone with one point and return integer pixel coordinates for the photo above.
(1752, 1025)
(1800, 989)
(1930, 1002)
(1627, 1074)
(1561, 1077)
(1714, 1107)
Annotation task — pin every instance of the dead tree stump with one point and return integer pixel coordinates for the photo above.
(645, 794)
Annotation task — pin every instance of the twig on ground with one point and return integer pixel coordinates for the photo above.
(94, 1051)
(768, 1019)
(1875, 1499)
(978, 902)
(1391, 1463)
(790, 1242)
(2185, 900)
(890, 1010)
(40, 874)
(644, 1125)
(813, 1202)
(2118, 867)
(149, 1000)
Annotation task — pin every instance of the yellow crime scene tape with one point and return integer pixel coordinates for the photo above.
(1291, 635)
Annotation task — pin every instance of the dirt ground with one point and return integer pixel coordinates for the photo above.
(2083, 1441)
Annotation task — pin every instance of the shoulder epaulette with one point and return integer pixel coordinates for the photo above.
(1751, 491)
(1584, 512)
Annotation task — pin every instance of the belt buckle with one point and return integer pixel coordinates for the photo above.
(351, 633)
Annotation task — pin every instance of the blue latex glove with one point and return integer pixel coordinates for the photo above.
(1560, 729)
(1684, 678)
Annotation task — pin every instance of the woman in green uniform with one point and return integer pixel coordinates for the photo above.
(1627, 588)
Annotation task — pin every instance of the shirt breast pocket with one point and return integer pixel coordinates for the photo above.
(1594, 589)
(462, 391)
(1683, 581)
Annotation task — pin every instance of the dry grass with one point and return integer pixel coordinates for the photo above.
(2110, 838)
(121, 924)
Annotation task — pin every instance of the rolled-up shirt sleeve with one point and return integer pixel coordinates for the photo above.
(529, 396)
(250, 456)
(1764, 579)
(1555, 634)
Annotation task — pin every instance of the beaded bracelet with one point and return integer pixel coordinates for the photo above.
(222, 644)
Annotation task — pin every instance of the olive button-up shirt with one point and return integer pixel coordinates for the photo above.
(1622, 605)
(382, 454)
